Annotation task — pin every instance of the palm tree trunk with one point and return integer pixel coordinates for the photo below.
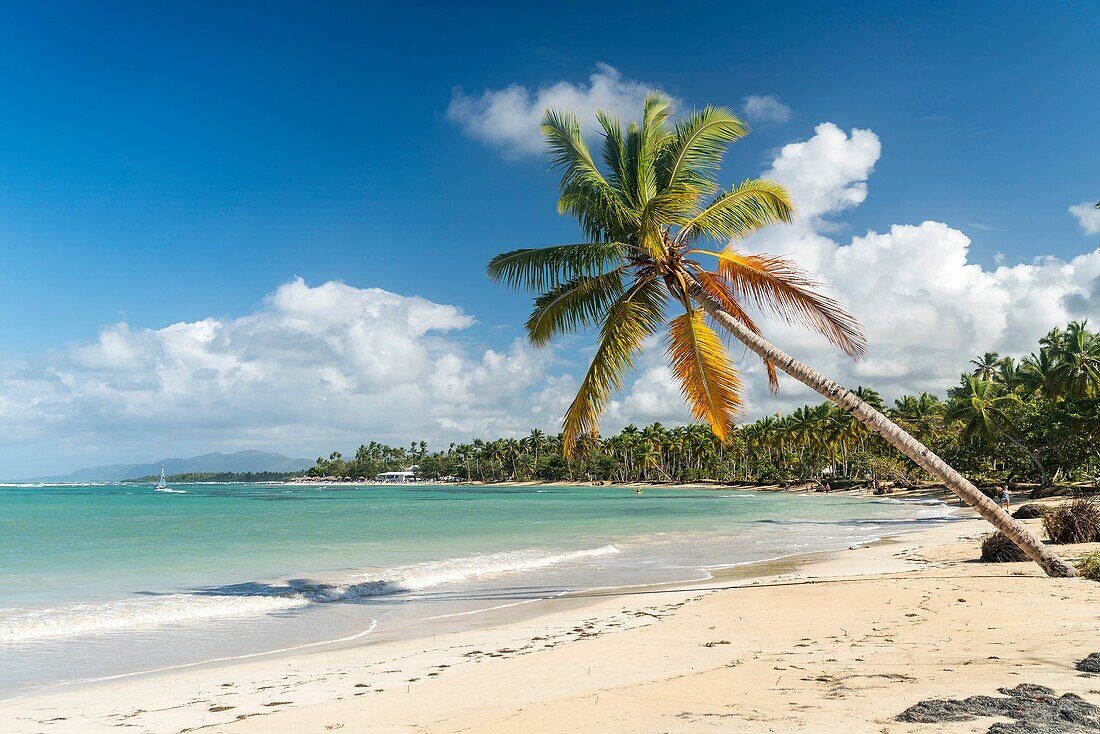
(1031, 454)
(894, 435)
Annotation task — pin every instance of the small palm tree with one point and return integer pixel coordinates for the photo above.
(981, 407)
(1076, 373)
(647, 216)
(1008, 374)
(986, 366)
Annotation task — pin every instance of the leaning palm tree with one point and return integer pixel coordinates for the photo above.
(648, 215)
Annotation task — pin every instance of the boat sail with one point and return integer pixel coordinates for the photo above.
(163, 486)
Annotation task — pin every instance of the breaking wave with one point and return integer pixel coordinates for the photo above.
(251, 599)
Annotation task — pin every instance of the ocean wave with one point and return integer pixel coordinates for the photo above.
(59, 485)
(253, 599)
(911, 501)
(21, 625)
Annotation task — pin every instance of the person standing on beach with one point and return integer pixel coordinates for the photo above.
(1004, 500)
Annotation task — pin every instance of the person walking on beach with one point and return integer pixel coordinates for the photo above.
(1004, 500)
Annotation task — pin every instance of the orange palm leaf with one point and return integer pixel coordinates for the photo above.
(707, 377)
(719, 290)
(781, 286)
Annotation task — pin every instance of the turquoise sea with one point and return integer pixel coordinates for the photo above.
(113, 579)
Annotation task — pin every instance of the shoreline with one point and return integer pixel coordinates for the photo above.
(386, 682)
(524, 608)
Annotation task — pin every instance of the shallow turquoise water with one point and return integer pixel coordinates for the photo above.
(101, 580)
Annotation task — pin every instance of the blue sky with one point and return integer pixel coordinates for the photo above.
(168, 163)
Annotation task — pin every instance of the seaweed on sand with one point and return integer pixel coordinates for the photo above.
(1030, 511)
(1033, 709)
(1076, 521)
(998, 548)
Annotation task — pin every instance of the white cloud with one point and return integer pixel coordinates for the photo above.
(1088, 216)
(766, 109)
(317, 368)
(509, 118)
(827, 173)
(926, 307)
(314, 368)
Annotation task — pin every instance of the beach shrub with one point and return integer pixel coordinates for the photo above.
(1076, 521)
(1089, 567)
(1029, 511)
(997, 548)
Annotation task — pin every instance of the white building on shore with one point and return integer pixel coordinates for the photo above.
(397, 477)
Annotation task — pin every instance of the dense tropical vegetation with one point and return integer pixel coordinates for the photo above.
(1033, 419)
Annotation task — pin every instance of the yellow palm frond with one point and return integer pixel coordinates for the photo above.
(781, 286)
(635, 316)
(707, 377)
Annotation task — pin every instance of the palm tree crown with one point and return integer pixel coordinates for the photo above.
(648, 215)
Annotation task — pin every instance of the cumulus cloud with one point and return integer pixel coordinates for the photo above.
(925, 305)
(318, 367)
(766, 108)
(315, 367)
(1088, 216)
(828, 173)
(509, 118)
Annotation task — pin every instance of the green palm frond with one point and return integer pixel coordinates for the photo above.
(578, 304)
(585, 193)
(980, 406)
(541, 268)
(638, 314)
(694, 155)
(614, 153)
(568, 150)
(751, 205)
(651, 139)
(671, 208)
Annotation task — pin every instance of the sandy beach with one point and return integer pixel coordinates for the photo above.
(841, 641)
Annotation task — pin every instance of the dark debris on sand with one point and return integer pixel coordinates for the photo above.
(1091, 664)
(1034, 710)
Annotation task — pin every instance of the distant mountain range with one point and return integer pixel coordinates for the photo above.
(240, 461)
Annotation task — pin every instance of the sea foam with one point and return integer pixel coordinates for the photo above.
(251, 599)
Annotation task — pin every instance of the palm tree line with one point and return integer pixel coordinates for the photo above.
(1035, 419)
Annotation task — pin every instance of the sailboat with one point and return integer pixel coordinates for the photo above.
(162, 487)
